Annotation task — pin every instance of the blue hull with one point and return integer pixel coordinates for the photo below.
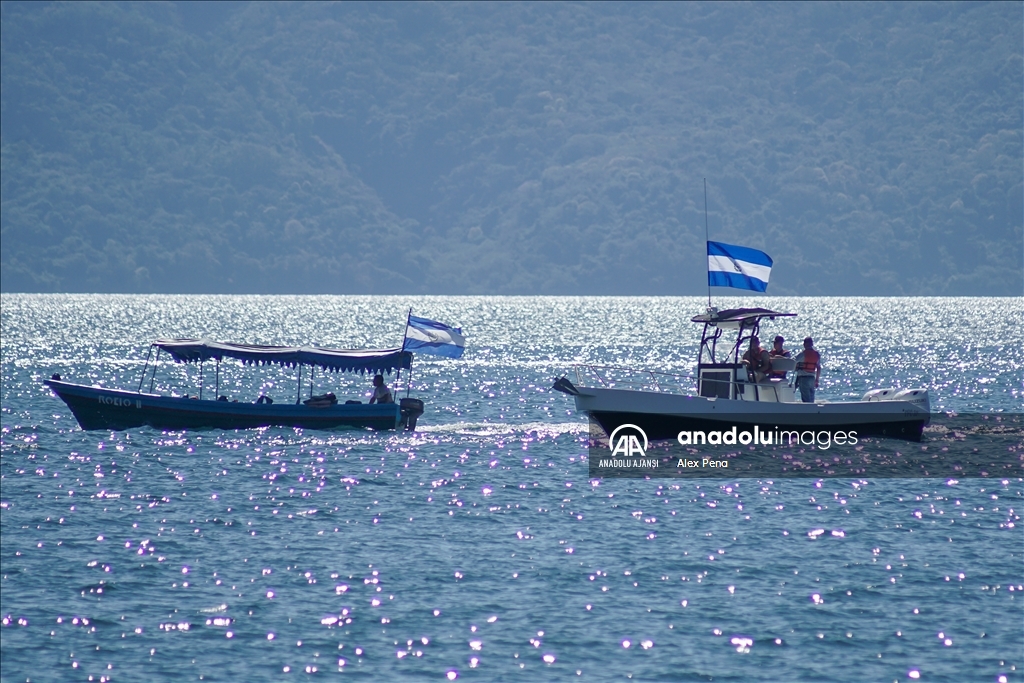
(97, 408)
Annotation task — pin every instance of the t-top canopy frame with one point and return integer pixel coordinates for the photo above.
(746, 321)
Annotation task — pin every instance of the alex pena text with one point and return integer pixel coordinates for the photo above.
(703, 462)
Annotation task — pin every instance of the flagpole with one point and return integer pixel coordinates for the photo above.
(405, 336)
(707, 237)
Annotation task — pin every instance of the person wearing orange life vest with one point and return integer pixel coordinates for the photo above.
(808, 371)
(778, 352)
(757, 360)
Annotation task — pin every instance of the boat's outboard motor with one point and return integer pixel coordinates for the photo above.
(919, 397)
(411, 408)
(880, 394)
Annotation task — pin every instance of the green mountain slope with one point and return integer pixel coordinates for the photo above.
(510, 148)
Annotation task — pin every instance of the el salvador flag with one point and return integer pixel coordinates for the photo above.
(429, 336)
(738, 267)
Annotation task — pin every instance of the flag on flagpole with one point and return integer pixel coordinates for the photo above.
(429, 336)
(738, 267)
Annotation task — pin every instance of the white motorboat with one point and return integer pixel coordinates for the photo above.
(727, 394)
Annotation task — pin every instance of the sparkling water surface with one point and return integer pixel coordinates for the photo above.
(477, 548)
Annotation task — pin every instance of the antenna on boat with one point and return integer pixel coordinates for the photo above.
(707, 236)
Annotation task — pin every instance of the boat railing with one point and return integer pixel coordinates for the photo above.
(636, 379)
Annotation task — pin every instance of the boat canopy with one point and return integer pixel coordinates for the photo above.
(736, 317)
(343, 360)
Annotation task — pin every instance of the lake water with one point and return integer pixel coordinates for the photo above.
(477, 548)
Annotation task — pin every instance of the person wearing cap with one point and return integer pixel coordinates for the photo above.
(756, 359)
(778, 352)
(808, 371)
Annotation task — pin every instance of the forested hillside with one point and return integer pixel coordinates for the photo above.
(536, 148)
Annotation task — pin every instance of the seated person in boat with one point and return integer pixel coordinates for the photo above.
(778, 352)
(757, 360)
(381, 393)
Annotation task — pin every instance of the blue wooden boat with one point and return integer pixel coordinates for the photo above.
(100, 408)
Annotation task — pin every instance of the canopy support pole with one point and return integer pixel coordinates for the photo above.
(218, 378)
(152, 378)
(144, 368)
(201, 364)
(312, 370)
(298, 387)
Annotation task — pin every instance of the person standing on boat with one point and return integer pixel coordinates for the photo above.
(757, 360)
(808, 371)
(381, 393)
(778, 352)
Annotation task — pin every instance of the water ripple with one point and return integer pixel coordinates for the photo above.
(477, 548)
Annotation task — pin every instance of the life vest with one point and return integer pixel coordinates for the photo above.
(810, 362)
(759, 361)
